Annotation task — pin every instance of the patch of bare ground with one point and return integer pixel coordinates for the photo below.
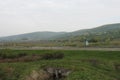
(48, 73)
(38, 75)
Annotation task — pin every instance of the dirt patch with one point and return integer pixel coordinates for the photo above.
(38, 75)
(49, 73)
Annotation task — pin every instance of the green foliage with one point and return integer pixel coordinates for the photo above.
(85, 65)
(103, 33)
(55, 55)
(7, 54)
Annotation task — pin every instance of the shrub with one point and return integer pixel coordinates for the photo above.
(2, 74)
(22, 54)
(117, 67)
(55, 55)
(11, 55)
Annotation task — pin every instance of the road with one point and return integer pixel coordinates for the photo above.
(63, 48)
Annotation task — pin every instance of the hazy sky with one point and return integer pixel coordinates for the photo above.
(22, 16)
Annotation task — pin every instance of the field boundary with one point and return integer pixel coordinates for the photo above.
(63, 48)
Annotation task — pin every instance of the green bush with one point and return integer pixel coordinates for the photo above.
(2, 74)
(11, 55)
(56, 55)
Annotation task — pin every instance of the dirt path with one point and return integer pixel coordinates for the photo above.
(63, 48)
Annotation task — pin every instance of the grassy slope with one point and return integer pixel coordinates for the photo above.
(34, 36)
(111, 30)
(85, 65)
(98, 30)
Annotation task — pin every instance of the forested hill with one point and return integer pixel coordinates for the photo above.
(109, 31)
(105, 31)
(45, 35)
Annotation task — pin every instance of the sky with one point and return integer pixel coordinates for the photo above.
(24, 16)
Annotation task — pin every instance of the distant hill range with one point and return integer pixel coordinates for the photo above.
(109, 31)
(105, 31)
(34, 36)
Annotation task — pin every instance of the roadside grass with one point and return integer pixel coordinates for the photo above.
(84, 65)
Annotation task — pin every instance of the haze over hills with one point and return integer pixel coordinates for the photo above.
(46, 35)
(109, 30)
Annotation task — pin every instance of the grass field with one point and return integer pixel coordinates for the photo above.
(84, 65)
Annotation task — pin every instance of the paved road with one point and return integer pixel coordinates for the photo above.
(63, 48)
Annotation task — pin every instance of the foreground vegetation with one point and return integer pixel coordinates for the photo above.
(84, 65)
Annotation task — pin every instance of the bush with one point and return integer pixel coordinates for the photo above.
(22, 54)
(55, 55)
(2, 74)
(11, 55)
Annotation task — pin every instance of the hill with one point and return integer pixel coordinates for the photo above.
(32, 36)
(113, 30)
(109, 31)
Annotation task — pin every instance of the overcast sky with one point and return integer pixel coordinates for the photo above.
(23, 16)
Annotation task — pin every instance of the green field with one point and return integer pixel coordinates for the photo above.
(84, 65)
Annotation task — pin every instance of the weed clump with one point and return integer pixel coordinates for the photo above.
(49, 56)
(117, 67)
(11, 55)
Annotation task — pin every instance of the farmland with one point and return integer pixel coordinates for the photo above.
(84, 65)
